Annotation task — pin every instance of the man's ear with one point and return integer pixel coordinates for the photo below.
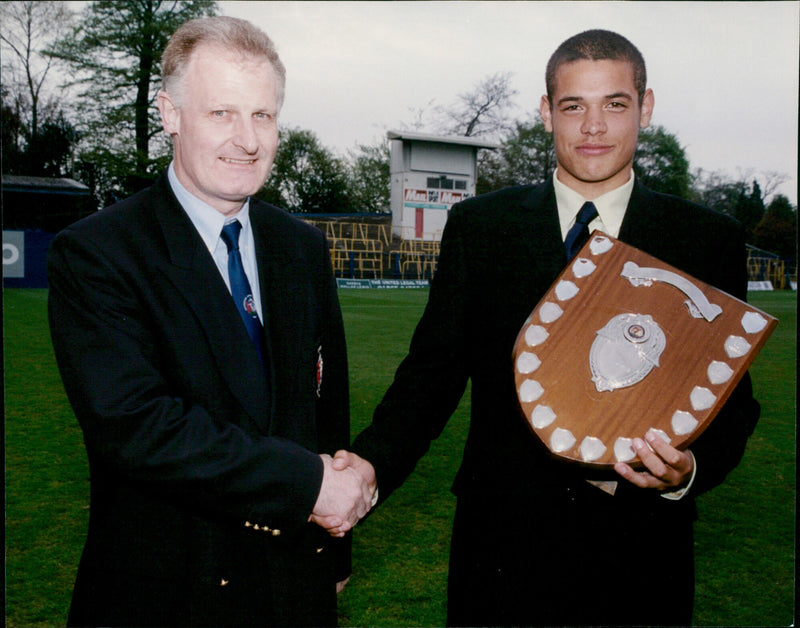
(546, 113)
(170, 114)
(648, 102)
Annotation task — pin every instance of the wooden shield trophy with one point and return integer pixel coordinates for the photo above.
(622, 344)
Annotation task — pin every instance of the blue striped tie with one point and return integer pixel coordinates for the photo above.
(579, 233)
(240, 287)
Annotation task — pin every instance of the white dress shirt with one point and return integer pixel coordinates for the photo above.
(209, 223)
(610, 206)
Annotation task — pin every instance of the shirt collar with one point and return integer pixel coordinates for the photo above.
(611, 206)
(207, 220)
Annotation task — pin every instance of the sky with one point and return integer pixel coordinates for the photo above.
(724, 74)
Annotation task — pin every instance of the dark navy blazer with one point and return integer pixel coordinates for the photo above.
(204, 469)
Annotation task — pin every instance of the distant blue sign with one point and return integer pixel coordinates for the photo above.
(25, 258)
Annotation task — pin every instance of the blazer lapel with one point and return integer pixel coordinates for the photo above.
(272, 259)
(542, 231)
(646, 227)
(196, 277)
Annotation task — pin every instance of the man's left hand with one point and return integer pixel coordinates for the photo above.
(665, 468)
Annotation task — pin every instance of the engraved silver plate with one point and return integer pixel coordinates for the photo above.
(625, 351)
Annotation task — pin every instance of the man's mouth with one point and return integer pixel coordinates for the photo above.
(238, 162)
(594, 149)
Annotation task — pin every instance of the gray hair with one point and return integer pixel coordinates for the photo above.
(230, 33)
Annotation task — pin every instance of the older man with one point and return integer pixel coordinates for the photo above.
(200, 341)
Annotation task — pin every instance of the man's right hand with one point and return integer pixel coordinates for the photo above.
(346, 495)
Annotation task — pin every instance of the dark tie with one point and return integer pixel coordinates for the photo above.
(579, 233)
(240, 287)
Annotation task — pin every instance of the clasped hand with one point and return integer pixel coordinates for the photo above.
(348, 487)
(665, 468)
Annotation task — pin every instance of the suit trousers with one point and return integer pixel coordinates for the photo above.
(571, 556)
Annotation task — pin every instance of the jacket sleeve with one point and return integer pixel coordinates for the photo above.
(721, 447)
(333, 405)
(138, 429)
(431, 380)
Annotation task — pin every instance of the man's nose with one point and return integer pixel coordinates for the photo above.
(594, 122)
(245, 135)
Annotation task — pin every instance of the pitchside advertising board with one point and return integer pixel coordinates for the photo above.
(427, 209)
(13, 254)
(25, 258)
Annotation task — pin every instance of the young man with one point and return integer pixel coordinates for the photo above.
(206, 417)
(535, 541)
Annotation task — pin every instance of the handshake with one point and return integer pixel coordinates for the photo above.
(348, 491)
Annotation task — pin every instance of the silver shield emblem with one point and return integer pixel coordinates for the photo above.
(625, 351)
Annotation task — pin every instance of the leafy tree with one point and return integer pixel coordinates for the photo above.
(777, 230)
(749, 209)
(306, 176)
(369, 181)
(525, 156)
(28, 28)
(37, 137)
(51, 150)
(13, 133)
(717, 191)
(736, 197)
(661, 162)
(113, 53)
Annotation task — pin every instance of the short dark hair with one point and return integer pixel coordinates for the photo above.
(597, 45)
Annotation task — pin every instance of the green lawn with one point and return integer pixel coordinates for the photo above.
(745, 536)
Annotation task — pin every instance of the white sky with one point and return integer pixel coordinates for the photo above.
(725, 74)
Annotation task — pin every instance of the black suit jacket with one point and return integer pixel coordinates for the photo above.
(499, 254)
(204, 470)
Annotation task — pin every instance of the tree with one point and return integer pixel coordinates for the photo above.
(306, 176)
(114, 53)
(749, 209)
(717, 191)
(525, 156)
(736, 197)
(369, 181)
(13, 133)
(777, 230)
(661, 163)
(37, 136)
(28, 28)
(484, 110)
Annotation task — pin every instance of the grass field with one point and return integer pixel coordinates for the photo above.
(744, 539)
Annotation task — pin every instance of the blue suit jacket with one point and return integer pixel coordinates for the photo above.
(188, 440)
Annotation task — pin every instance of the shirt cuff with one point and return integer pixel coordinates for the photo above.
(681, 492)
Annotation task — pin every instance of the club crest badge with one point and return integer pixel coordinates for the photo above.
(625, 351)
(319, 370)
(249, 305)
